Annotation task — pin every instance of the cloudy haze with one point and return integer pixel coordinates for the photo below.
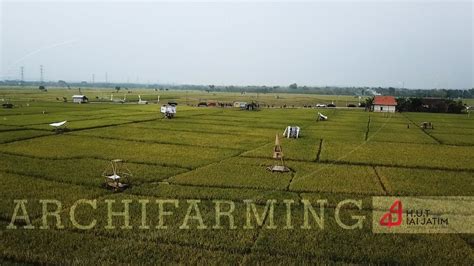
(418, 45)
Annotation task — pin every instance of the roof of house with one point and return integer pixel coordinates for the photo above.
(78, 96)
(385, 100)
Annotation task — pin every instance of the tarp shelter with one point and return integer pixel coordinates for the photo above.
(292, 132)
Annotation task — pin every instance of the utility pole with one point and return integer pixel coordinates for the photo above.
(106, 78)
(22, 75)
(93, 78)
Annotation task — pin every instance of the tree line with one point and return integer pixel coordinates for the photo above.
(291, 88)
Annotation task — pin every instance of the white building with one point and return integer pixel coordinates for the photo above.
(79, 99)
(385, 104)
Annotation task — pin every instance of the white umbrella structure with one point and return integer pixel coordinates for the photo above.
(58, 124)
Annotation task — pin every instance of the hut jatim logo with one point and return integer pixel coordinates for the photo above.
(421, 215)
(394, 216)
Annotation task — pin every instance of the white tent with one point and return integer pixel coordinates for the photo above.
(58, 124)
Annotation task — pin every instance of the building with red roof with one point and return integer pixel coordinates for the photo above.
(384, 104)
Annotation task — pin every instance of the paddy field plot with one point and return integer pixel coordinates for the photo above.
(213, 154)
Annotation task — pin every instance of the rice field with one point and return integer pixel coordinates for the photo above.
(210, 154)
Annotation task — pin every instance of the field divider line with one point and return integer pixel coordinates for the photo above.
(73, 120)
(203, 131)
(380, 181)
(216, 162)
(246, 126)
(318, 155)
(115, 124)
(367, 130)
(422, 143)
(263, 190)
(93, 158)
(293, 174)
(256, 237)
(81, 129)
(25, 138)
(49, 179)
(266, 189)
(326, 161)
(351, 151)
(21, 128)
(153, 142)
(424, 131)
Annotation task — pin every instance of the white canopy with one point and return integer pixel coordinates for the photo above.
(323, 117)
(58, 124)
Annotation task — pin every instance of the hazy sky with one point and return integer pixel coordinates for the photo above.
(391, 43)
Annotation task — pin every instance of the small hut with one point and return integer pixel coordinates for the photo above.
(79, 99)
(278, 156)
(169, 110)
(252, 107)
(277, 150)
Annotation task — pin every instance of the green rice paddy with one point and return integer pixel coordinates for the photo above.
(221, 154)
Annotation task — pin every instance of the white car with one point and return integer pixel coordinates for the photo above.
(321, 105)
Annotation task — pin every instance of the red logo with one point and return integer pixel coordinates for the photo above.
(388, 218)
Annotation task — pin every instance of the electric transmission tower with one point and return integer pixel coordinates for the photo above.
(22, 75)
(41, 74)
